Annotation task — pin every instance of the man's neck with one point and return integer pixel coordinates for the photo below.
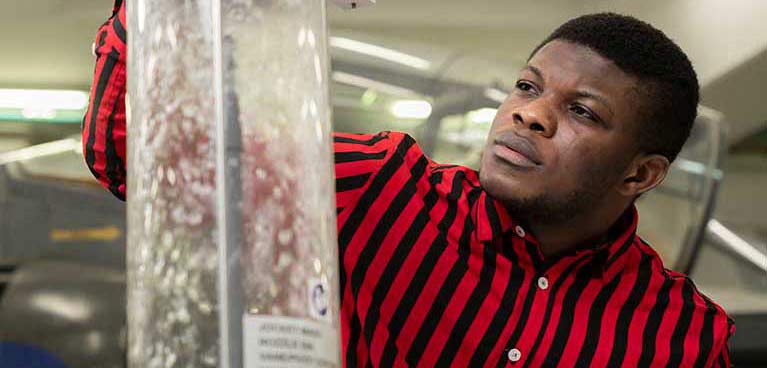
(584, 231)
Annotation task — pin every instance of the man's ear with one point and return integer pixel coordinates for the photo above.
(644, 173)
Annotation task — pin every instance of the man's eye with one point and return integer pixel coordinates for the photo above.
(583, 112)
(525, 86)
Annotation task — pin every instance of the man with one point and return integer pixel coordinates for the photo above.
(532, 261)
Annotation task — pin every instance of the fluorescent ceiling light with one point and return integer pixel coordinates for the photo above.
(42, 100)
(380, 52)
(411, 109)
(41, 150)
(366, 83)
(38, 113)
(483, 115)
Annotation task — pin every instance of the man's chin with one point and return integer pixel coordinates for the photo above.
(529, 207)
(504, 188)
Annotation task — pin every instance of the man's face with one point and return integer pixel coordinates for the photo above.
(562, 140)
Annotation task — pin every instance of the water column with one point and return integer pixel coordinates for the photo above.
(232, 254)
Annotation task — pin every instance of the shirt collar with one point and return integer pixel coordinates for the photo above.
(494, 220)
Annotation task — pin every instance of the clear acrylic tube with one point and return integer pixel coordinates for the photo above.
(229, 154)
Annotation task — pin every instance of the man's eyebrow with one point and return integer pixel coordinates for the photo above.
(534, 70)
(594, 96)
(581, 94)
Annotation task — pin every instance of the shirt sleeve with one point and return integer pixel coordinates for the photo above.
(103, 129)
(722, 357)
(358, 158)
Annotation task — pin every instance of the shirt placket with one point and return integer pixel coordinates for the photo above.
(545, 276)
(515, 353)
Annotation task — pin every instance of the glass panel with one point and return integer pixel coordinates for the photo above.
(673, 217)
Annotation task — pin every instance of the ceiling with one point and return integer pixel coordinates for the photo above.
(47, 43)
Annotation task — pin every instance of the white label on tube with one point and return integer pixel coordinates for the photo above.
(285, 342)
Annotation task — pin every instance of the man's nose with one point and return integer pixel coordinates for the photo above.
(537, 116)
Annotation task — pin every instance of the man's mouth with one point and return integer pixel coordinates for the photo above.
(516, 151)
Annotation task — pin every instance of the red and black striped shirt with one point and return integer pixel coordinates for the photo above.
(434, 272)
(103, 129)
(437, 273)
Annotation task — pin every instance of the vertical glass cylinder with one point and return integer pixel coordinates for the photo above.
(232, 253)
(276, 95)
(172, 219)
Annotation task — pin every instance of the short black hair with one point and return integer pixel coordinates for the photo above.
(668, 81)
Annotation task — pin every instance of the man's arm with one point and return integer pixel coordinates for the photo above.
(103, 129)
(104, 132)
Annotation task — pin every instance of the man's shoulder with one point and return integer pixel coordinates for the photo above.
(678, 283)
(380, 139)
(712, 313)
(680, 296)
(390, 151)
(373, 150)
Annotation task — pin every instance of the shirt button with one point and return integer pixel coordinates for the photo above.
(520, 231)
(543, 283)
(515, 355)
